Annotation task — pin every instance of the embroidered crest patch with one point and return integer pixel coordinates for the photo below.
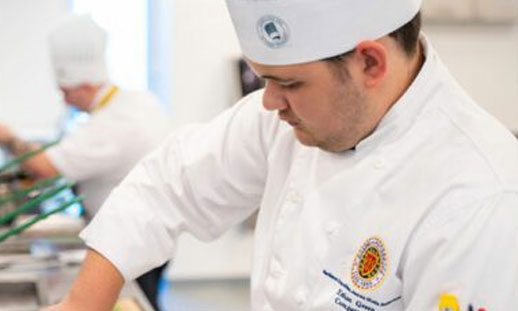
(370, 264)
(273, 31)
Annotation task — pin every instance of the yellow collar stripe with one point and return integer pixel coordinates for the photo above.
(106, 98)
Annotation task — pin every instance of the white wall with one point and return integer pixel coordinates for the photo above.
(484, 59)
(204, 49)
(29, 101)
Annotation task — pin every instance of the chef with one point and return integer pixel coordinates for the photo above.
(380, 184)
(123, 126)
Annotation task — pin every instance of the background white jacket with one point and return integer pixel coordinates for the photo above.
(433, 193)
(101, 152)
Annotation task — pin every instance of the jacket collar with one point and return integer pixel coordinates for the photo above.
(404, 112)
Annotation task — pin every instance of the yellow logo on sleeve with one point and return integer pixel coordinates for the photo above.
(448, 303)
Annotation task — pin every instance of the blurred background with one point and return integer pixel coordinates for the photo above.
(186, 52)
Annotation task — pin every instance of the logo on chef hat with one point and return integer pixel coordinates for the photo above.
(370, 266)
(273, 31)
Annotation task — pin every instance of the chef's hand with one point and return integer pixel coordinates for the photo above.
(6, 135)
(13, 143)
(96, 288)
(39, 165)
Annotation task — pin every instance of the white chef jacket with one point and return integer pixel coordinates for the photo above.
(99, 153)
(427, 205)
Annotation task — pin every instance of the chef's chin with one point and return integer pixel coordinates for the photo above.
(304, 137)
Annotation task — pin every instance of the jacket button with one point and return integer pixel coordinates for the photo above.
(379, 163)
(331, 228)
(267, 307)
(276, 269)
(293, 197)
(301, 297)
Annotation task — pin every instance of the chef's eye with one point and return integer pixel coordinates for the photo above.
(291, 86)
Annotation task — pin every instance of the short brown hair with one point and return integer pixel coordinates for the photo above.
(407, 37)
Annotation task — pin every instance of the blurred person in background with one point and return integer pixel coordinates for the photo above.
(123, 125)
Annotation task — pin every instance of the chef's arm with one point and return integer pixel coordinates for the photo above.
(97, 286)
(40, 164)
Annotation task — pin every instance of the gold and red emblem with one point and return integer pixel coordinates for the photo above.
(370, 265)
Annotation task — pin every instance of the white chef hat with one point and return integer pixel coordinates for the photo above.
(77, 48)
(284, 32)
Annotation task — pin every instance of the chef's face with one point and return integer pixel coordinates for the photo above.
(80, 96)
(325, 108)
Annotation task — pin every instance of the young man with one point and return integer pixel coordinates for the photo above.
(123, 125)
(380, 184)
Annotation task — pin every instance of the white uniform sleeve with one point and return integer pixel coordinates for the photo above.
(202, 181)
(471, 253)
(89, 151)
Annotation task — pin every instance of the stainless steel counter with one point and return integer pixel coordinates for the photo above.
(28, 283)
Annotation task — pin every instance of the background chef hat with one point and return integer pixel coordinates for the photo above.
(77, 48)
(284, 32)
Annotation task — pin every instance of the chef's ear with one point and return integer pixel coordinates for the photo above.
(371, 56)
